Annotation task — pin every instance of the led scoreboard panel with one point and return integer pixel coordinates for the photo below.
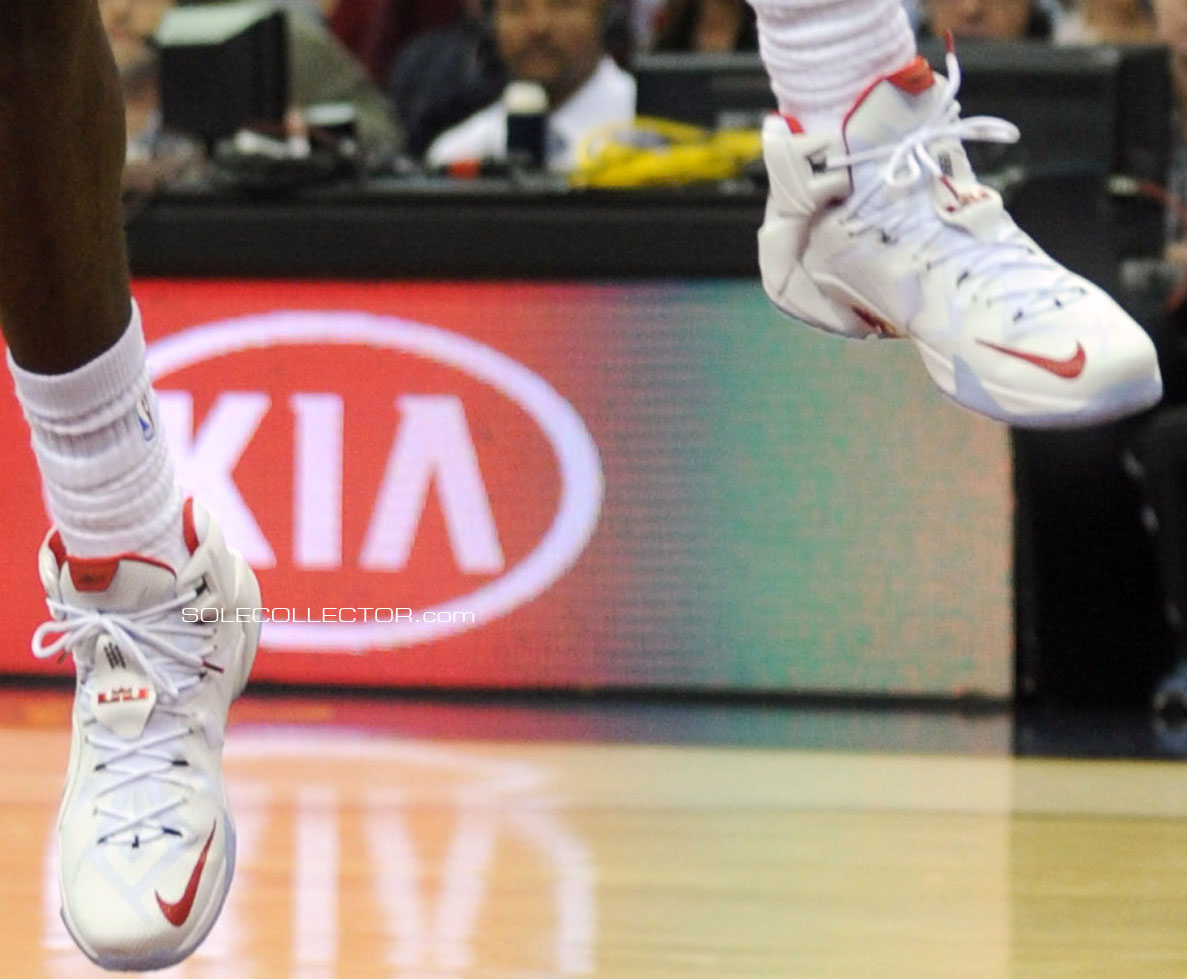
(570, 485)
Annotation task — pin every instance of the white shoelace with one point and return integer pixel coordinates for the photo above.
(1016, 269)
(146, 636)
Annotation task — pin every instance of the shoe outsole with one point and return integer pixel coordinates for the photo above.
(963, 388)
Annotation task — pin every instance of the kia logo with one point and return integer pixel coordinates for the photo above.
(433, 446)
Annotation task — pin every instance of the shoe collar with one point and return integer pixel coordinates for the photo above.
(90, 575)
(914, 79)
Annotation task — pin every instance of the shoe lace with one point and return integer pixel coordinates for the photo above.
(1018, 270)
(148, 637)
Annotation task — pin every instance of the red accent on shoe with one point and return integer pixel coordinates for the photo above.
(187, 525)
(1069, 368)
(793, 124)
(57, 548)
(96, 573)
(122, 695)
(883, 327)
(176, 912)
(92, 574)
(915, 78)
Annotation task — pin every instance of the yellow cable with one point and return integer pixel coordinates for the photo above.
(658, 152)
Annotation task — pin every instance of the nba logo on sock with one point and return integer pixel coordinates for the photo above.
(148, 427)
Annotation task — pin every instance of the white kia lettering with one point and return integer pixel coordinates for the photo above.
(317, 480)
(433, 443)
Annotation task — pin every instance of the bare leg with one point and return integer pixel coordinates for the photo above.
(64, 295)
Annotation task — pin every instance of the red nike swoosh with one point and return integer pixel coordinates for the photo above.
(177, 912)
(1069, 368)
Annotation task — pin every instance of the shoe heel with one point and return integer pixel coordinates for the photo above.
(792, 291)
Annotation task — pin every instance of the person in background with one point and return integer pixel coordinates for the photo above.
(1171, 25)
(707, 26)
(376, 31)
(1107, 22)
(560, 45)
(351, 21)
(999, 20)
(443, 77)
(321, 70)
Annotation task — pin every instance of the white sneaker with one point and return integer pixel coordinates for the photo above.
(883, 230)
(146, 841)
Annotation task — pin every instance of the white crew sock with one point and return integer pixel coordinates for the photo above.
(822, 54)
(107, 474)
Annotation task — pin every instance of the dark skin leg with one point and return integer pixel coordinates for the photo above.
(64, 294)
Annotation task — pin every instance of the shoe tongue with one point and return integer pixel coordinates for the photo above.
(958, 197)
(889, 113)
(122, 696)
(890, 110)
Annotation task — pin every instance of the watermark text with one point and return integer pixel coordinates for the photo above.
(319, 615)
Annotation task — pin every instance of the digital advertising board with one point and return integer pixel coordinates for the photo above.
(574, 485)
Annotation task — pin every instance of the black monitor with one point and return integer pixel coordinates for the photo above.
(223, 66)
(714, 90)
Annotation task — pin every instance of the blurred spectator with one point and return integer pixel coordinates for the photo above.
(1171, 25)
(321, 70)
(706, 25)
(1001, 20)
(1107, 22)
(377, 30)
(1171, 20)
(561, 45)
(443, 77)
(352, 20)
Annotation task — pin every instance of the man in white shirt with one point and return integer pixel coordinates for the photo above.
(559, 44)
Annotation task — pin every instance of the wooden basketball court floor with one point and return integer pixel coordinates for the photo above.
(366, 851)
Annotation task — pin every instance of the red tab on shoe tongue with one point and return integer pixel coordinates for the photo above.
(915, 78)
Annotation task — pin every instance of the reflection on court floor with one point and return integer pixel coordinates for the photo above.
(366, 855)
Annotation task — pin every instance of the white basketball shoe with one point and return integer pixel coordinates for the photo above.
(146, 841)
(883, 230)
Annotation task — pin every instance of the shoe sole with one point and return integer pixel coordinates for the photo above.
(967, 390)
(963, 387)
(247, 596)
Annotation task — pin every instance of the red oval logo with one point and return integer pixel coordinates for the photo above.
(363, 462)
